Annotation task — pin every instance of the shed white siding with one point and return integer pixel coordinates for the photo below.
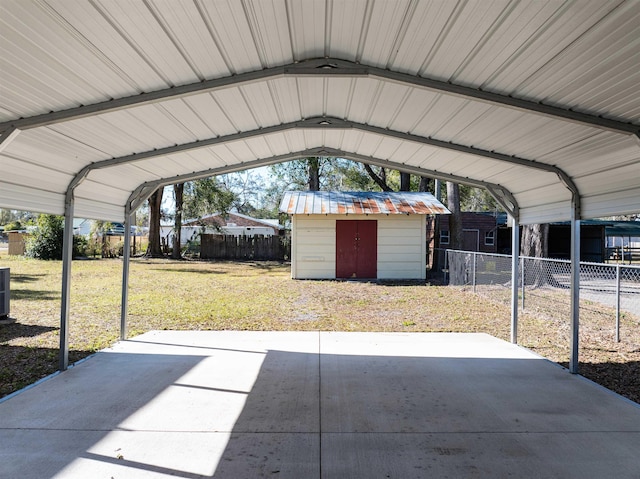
(313, 247)
(401, 246)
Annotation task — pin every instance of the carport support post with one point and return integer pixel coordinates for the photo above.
(67, 255)
(575, 290)
(126, 256)
(515, 257)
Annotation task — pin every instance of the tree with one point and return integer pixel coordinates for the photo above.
(425, 183)
(455, 218)
(379, 178)
(397, 180)
(154, 249)
(476, 199)
(405, 181)
(311, 173)
(206, 196)
(251, 195)
(535, 241)
(313, 167)
(98, 239)
(322, 173)
(13, 226)
(178, 196)
(10, 216)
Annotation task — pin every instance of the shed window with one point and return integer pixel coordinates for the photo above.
(489, 238)
(444, 237)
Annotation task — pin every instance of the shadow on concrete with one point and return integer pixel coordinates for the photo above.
(277, 433)
(417, 417)
(310, 415)
(44, 429)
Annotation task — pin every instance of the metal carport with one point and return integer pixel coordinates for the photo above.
(103, 102)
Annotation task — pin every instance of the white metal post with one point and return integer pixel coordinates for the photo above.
(67, 255)
(575, 292)
(126, 256)
(515, 257)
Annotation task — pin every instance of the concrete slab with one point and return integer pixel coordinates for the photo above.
(234, 404)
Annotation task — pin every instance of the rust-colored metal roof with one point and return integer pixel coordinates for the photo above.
(360, 203)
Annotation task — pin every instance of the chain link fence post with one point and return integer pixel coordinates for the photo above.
(446, 266)
(617, 303)
(473, 271)
(522, 278)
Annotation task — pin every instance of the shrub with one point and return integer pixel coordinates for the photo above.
(13, 226)
(80, 246)
(47, 239)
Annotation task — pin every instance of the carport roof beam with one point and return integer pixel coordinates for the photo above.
(502, 196)
(323, 68)
(329, 123)
(337, 123)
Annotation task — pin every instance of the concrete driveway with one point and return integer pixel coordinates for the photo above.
(317, 405)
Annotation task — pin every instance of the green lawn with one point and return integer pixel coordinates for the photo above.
(195, 295)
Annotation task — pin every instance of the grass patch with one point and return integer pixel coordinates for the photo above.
(194, 295)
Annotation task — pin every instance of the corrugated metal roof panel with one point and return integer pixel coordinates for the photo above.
(580, 56)
(360, 203)
(26, 198)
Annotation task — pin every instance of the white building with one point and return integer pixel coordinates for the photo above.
(359, 235)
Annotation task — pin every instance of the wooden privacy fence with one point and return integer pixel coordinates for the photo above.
(17, 243)
(276, 248)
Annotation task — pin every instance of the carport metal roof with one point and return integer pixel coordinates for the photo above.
(537, 101)
(102, 101)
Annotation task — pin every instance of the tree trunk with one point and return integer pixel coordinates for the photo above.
(314, 174)
(425, 183)
(455, 218)
(535, 243)
(405, 181)
(178, 193)
(155, 204)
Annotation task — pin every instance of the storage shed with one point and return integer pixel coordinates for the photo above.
(359, 235)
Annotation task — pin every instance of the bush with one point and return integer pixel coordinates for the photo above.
(80, 246)
(13, 226)
(47, 239)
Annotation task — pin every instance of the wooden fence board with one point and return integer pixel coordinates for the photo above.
(244, 248)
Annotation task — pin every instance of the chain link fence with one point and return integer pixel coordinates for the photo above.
(609, 292)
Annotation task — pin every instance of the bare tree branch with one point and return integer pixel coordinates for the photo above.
(379, 181)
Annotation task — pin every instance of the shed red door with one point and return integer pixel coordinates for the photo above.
(356, 249)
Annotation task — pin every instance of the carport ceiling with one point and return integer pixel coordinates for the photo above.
(537, 101)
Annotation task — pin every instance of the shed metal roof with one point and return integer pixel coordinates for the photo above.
(103, 101)
(359, 202)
